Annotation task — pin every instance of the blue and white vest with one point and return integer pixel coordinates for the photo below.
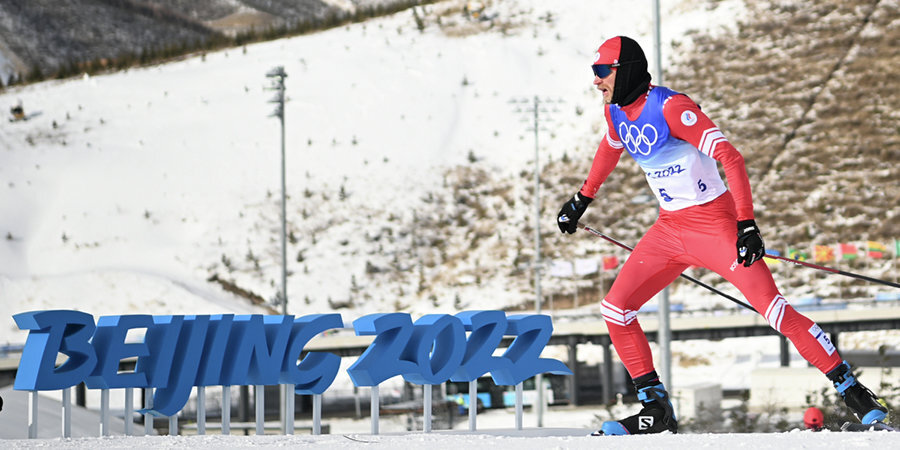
(678, 173)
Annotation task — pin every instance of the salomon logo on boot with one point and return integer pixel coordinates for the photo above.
(657, 416)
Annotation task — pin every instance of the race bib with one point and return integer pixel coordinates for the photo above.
(691, 179)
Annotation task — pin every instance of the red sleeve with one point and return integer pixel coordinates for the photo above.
(688, 123)
(605, 160)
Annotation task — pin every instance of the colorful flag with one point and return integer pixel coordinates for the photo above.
(848, 251)
(610, 262)
(797, 254)
(823, 253)
(875, 249)
(896, 248)
(771, 261)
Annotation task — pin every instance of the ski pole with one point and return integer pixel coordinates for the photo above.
(687, 277)
(832, 270)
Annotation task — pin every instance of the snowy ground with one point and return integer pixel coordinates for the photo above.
(564, 429)
(538, 440)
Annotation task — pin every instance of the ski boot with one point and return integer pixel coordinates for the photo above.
(859, 399)
(656, 416)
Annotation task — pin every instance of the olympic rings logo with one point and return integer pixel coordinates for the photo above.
(636, 138)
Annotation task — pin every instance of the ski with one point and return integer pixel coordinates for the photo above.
(875, 426)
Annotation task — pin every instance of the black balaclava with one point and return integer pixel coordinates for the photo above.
(632, 77)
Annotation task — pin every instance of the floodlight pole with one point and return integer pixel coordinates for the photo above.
(537, 213)
(539, 379)
(664, 330)
(278, 75)
(535, 109)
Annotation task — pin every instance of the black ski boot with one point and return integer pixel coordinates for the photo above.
(656, 416)
(859, 399)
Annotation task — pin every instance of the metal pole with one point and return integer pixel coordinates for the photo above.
(226, 410)
(317, 414)
(573, 363)
(665, 340)
(67, 413)
(519, 406)
(104, 412)
(289, 409)
(665, 332)
(785, 351)
(80, 394)
(607, 372)
(356, 402)
(373, 409)
(148, 418)
(658, 41)
(129, 410)
(473, 403)
(201, 410)
(279, 75)
(260, 391)
(537, 251)
(537, 213)
(284, 298)
(173, 425)
(33, 415)
(426, 408)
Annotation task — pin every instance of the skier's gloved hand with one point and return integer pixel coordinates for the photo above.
(571, 212)
(750, 246)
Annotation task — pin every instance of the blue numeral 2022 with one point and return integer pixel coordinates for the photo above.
(435, 348)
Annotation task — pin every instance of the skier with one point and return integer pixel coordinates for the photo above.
(677, 147)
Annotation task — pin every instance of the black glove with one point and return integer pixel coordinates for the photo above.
(571, 212)
(750, 246)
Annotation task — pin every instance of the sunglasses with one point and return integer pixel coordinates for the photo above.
(603, 70)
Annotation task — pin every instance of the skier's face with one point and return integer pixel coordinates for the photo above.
(606, 85)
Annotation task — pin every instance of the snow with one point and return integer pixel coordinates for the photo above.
(564, 428)
(561, 437)
(128, 190)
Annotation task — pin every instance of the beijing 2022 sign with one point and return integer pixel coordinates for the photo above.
(180, 352)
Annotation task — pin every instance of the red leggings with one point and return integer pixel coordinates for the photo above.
(703, 236)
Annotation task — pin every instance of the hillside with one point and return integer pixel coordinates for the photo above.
(808, 92)
(410, 183)
(813, 104)
(40, 38)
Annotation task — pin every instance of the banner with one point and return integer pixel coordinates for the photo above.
(797, 254)
(848, 251)
(560, 268)
(610, 262)
(823, 253)
(586, 266)
(875, 250)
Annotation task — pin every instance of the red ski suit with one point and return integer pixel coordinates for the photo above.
(701, 234)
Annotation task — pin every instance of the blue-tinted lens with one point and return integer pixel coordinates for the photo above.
(602, 70)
